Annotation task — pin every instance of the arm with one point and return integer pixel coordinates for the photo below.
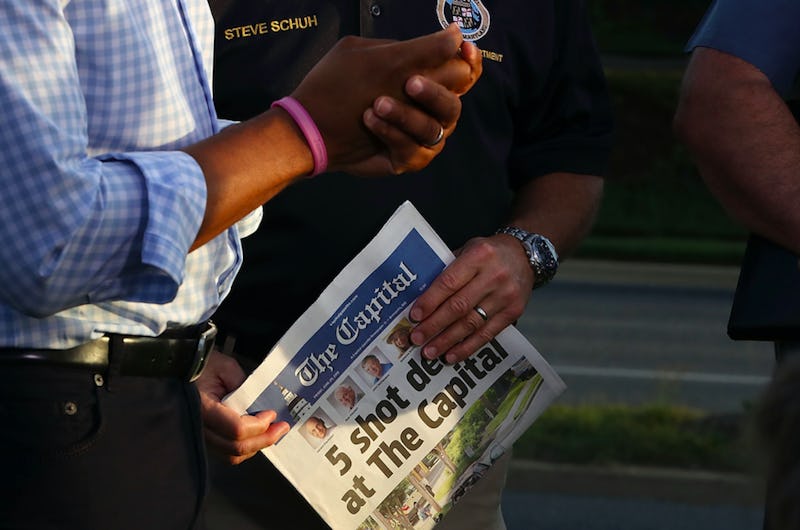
(562, 138)
(745, 141)
(241, 174)
(237, 437)
(111, 216)
(494, 272)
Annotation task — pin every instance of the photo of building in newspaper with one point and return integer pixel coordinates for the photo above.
(446, 473)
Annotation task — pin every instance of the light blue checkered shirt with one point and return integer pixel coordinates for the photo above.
(99, 209)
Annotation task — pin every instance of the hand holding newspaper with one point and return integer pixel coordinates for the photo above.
(382, 437)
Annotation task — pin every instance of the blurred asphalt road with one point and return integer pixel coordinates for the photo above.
(640, 333)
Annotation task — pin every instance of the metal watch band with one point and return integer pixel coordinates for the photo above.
(540, 251)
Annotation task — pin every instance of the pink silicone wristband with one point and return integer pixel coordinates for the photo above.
(309, 129)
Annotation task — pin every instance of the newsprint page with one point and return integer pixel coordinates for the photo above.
(381, 437)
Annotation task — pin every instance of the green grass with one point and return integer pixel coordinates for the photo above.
(654, 435)
(663, 250)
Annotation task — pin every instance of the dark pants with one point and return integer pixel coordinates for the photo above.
(78, 451)
(782, 487)
(259, 496)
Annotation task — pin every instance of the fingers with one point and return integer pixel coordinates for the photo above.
(429, 51)
(238, 437)
(404, 128)
(473, 57)
(411, 137)
(435, 141)
(487, 274)
(444, 57)
(461, 72)
(237, 451)
(427, 127)
(222, 375)
(414, 134)
(436, 100)
(335, 102)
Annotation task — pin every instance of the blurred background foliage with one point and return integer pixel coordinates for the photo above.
(645, 27)
(656, 207)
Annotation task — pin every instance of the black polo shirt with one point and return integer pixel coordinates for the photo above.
(541, 106)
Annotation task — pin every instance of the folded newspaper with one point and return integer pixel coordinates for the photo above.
(382, 437)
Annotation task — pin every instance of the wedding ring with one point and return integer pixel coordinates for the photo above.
(438, 138)
(481, 312)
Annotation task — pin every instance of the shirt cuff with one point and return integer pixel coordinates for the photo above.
(176, 200)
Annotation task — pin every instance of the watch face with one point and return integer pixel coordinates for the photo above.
(541, 253)
(546, 261)
(546, 253)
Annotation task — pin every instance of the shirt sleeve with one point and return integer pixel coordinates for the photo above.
(570, 130)
(761, 32)
(76, 228)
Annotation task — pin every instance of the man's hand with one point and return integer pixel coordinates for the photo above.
(493, 273)
(415, 134)
(410, 89)
(234, 436)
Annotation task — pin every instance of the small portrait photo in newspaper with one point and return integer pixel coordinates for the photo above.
(317, 429)
(346, 396)
(373, 367)
(400, 337)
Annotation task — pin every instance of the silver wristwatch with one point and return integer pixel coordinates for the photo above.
(541, 253)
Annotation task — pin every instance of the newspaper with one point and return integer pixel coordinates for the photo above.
(382, 437)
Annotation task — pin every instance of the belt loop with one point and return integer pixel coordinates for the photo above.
(115, 355)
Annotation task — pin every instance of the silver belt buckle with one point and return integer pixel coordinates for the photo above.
(204, 345)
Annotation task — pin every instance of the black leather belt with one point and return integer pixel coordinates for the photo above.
(180, 353)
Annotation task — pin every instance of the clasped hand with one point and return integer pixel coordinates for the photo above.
(403, 92)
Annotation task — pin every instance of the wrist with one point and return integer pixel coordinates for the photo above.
(310, 132)
(542, 255)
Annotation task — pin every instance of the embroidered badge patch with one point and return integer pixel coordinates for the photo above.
(470, 15)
